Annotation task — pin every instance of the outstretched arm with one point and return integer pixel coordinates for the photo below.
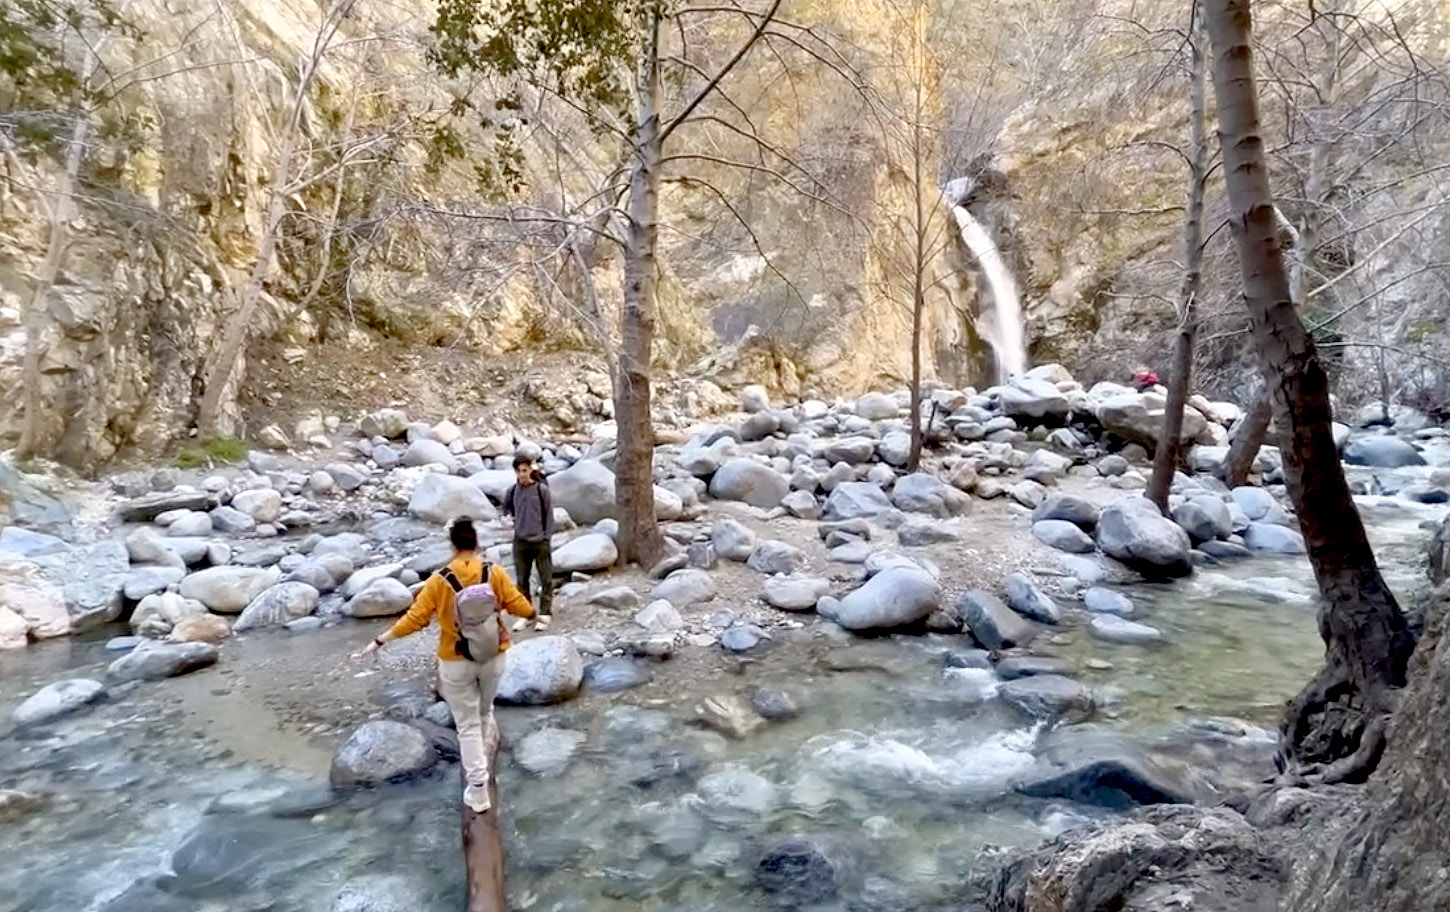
(414, 620)
(509, 596)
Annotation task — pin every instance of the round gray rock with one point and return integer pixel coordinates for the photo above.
(541, 671)
(56, 700)
(750, 482)
(276, 606)
(895, 597)
(379, 752)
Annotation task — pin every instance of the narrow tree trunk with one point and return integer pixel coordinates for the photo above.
(639, 535)
(1249, 439)
(1180, 380)
(483, 846)
(37, 316)
(1334, 729)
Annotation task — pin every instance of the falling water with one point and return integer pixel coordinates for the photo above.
(1004, 331)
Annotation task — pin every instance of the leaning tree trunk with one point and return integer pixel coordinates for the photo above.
(639, 535)
(1165, 458)
(1334, 729)
(1252, 432)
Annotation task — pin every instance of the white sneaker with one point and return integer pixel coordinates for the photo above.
(519, 624)
(476, 798)
(541, 621)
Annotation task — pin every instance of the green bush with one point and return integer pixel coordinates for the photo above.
(210, 451)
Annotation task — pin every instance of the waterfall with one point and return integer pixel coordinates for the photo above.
(1004, 331)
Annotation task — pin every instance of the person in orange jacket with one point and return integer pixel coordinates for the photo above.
(468, 686)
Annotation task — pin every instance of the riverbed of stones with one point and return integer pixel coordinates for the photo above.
(351, 528)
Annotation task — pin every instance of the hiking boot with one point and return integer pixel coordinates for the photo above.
(476, 797)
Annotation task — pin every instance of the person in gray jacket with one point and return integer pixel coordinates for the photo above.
(532, 509)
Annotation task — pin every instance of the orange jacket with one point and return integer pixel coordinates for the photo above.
(436, 597)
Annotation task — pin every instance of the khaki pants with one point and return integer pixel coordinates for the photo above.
(469, 688)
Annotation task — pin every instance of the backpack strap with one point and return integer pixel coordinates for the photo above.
(451, 579)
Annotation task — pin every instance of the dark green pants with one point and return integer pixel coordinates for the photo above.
(527, 556)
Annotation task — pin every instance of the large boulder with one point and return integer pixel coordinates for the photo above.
(877, 407)
(277, 605)
(1382, 452)
(18, 542)
(154, 661)
(795, 592)
(1112, 628)
(922, 493)
(594, 551)
(389, 423)
(686, 587)
(750, 482)
(773, 556)
(56, 700)
(1271, 538)
(92, 579)
(853, 499)
(895, 597)
(158, 613)
(992, 623)
(1064, 536)
(228, 590)
(849, 450)
(1068, 508)
(895, 448)
(1135, 533)
(1031, 398)
(732, 539)
(1100, 769)
(263, 505)
(39, 605)
(442, 498)
(1138, 418)
(585, 490)
(540, 671)
(381, 598)
(379, 752)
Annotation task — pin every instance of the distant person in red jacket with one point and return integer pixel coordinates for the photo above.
(1144, 379)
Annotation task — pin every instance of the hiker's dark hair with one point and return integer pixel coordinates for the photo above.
(521, 459)
(463, 536)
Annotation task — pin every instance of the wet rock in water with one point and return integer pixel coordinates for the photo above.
(548, 751)
(382, 598)
(1100, 769)
(1382, 452)
(659, 616)
(968, 658)
(1025, 598)
(1105, 601)
(1064, 536)
(751, 482)
(381, 751)
(277, 605)
(798, 871)
(1157, 858)
(729, 714)
(923, 493)
(263, 505)
(1273, 539)
(612, 675)
(592, 551)
(1135, 533)
(735, 794)
(380, 893)
(773, 704)
(439, 498)
(743, 638)
(1068, 508)
(1114, 629)
(228, 590)
(773, 556)
(201, 628)
(1195, 520)
(794, 592)
(895, 597)
(1026, 666)
(56, 700)
(1047, 696)
(540, 671)
(123, 643)
(992, 623)
(1222, 550)
(585, 490)
(152, 662)
(686, 587)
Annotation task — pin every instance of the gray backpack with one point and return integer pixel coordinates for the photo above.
(482, 635)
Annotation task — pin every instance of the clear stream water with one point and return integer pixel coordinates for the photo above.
(901, 764)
